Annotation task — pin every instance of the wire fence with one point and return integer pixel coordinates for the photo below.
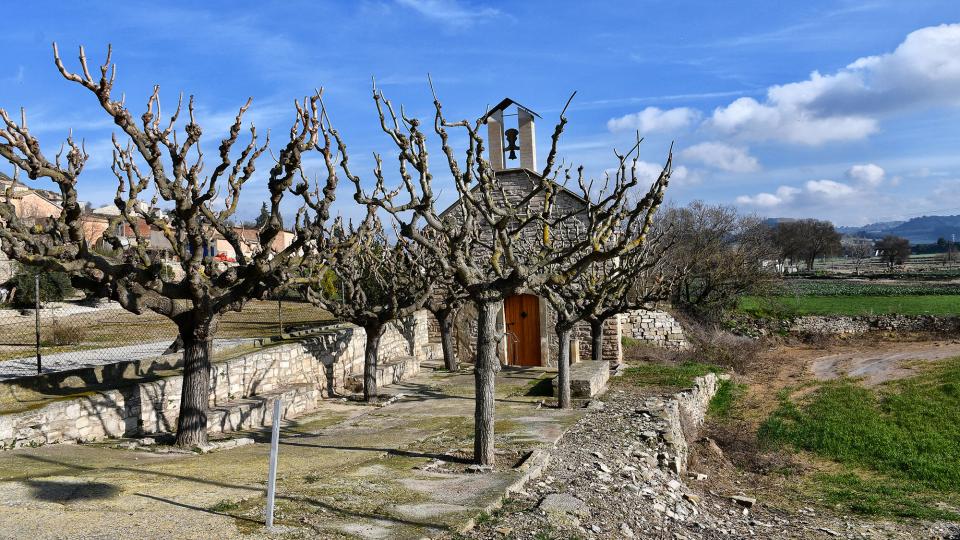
(63, 335)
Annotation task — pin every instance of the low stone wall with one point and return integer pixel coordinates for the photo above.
(305, 371)
(654, 326)
(837, 325)
(681, 417)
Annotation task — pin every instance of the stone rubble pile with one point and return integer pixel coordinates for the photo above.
(616, 475)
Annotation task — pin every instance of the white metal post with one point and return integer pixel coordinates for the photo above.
(272, 475)
(36, 320)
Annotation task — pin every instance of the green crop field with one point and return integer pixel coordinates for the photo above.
(836, 287)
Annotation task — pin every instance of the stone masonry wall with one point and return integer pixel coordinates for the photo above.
(838, 325)
(681, 417)
(654, 326)
(304, 372)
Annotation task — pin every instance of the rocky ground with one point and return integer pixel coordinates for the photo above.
(612, 476)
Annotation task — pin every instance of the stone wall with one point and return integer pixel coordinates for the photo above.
(654, 326)
(302, 373)
(681, 417)
(837, 325)
(611, 347)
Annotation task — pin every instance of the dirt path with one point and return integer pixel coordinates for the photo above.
(887, 362)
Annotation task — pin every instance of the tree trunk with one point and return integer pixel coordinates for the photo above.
(195, 394)
(445, 319)
(596, 339)
(485, 373)
(563, 367)
(374, 334)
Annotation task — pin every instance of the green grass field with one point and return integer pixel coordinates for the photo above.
(783, 306)
(667, 375)
(900, 442)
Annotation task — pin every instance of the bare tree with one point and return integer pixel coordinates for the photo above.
(444, 303)
(184, 205)
(484, 241)
(642, 279)
(596, 294)
(894, 250)
(607, 286)
(806, 240)
(377, 281)
(720, 255)
(859, 253)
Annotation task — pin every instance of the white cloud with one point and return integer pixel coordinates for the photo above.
(828, 189)
(869, 175)
(647, 172)
(923, 71)
(450, 12)
(783, 195)
(722, 156)
(654, 119)
(817, 196)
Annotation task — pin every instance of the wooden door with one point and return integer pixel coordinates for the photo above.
(522, 315)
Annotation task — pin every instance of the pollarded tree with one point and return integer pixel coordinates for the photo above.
(638, 281)
(488, 241)
(377, 280)
(162, 183)
(605, 287)
(444, 303)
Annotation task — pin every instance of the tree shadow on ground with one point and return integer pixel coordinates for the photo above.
(390, 451)
(64, 492)
(199, 509)
(347, 514)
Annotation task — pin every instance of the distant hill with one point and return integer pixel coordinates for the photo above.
(927, 229)
(919, 230)
(871, 229)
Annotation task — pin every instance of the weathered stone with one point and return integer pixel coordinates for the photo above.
(564, 503)
(587, 378)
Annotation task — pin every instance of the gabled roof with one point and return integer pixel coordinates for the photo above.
(503, 105)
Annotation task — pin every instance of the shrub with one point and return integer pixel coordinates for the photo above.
(62, 334)
(54, 287)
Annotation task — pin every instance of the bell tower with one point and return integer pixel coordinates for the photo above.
(505, 143)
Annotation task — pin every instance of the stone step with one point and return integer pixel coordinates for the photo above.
(392, 371)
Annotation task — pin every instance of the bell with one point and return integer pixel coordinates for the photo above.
(512, 146)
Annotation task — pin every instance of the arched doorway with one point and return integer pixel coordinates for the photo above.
(522, 317)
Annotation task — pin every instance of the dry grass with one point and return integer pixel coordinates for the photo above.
(65, 334)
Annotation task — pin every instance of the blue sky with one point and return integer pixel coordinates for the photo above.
(844, 110)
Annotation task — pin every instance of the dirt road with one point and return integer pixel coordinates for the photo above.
(885, 362)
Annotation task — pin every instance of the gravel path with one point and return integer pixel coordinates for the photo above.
(23, 367)
(607, 480)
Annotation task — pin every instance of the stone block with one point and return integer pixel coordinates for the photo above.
(587, 378)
